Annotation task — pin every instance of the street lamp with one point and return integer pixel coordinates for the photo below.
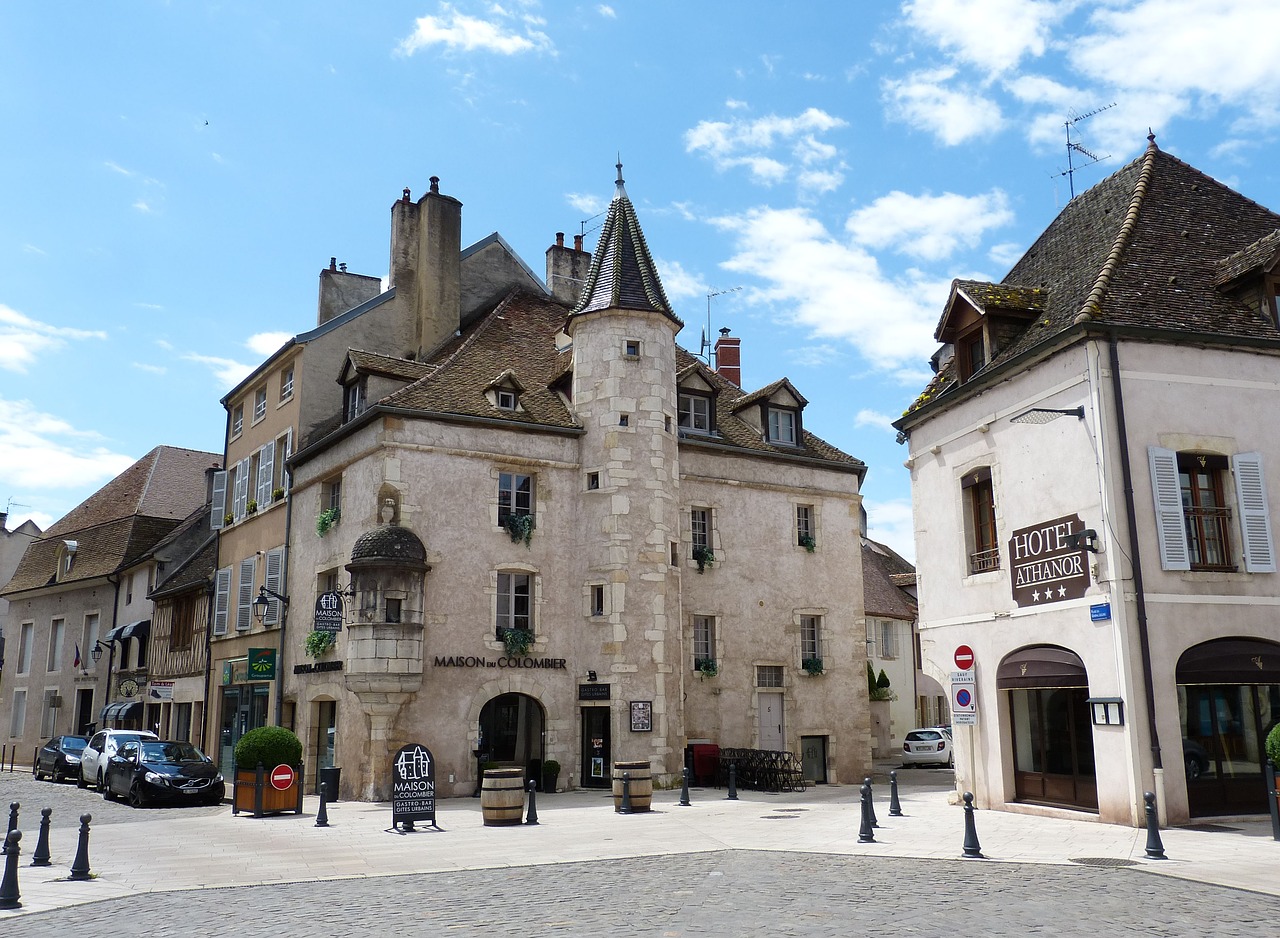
(96, 651)
(1046, 414)
(260, 606)
(263, 602)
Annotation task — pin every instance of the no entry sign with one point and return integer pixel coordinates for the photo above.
(281, 777)
(964, 657)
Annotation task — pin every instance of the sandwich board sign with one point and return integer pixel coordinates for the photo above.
(413, 787)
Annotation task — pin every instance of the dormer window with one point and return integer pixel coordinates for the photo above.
(354, 399)
(695, 412)
(971, 354)
(506, 399)
(782, 426)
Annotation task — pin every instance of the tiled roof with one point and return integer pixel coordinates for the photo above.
(1257, 255)
(188, 552)
(1002, 296)
(375, 363)
(623, 275)
(1143, 248)
(100, 550)
(881, 595)
(766, 392)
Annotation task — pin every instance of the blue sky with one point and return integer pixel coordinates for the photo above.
(177, 174)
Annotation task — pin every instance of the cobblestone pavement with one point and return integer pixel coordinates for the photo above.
(723, 893)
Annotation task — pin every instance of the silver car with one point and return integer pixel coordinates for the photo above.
(102, 746)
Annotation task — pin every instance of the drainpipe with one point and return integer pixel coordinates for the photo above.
(1140, 596)
(284, 589)
(111, 647)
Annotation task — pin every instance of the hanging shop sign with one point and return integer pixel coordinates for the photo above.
(160, 690)
(262, 664)
(328, 617)
(1047, 565)
(413, 786)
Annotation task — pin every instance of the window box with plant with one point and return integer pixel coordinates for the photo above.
(327, 519)
(277, 493)
(519, 526)
(228, 519)
(252, 507)
(812, 666)
(808, 543)
(703, 556)
(706, 667)
(318, 642)
(516, 642)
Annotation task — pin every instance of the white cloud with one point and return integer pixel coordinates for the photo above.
(40, 451)
(814, 356)
(267, 343)
(679, 283)
(32, 249)
(993, 35)
(927, 226)
(835, 289)
(229, 373)
(1005, 254)
(151, 369)
(22, 339)
(587, 203)
(953, 115)
(871, 418)
(144, 207)
(607, 11)
(890, 523)
(768, 147)
(459, 32)
(734, 104)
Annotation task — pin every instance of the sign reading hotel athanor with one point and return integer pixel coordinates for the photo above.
(1045, 567)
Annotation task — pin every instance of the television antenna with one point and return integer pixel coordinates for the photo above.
(704, 350)
(1074, 147)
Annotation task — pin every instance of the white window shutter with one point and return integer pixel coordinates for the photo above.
(266, 473)
(274, 575)
(244, 606)
(1255, 513)
(1171, 525)
(221, 600)
(240, 506)
(219, 510)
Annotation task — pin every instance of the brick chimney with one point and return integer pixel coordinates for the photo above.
(426, 264)
(729, 357)
(567, 269)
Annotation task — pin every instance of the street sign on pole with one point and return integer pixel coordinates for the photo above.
(964, 657)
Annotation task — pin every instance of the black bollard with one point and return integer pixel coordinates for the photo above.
(684, 789)
(895, 809)
(41, 856)
(9, 894)
(625, 808)
(972, 849)
(533, 803)
(865, 833)
(733, 782)
(13, 816)
(322, 813)
(871, 801)
(1155, 849)
(80, 865)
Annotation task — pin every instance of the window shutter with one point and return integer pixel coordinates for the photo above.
(219, 500)
(266, 473)
(1255, 515)
(1171, 530)
(241, 503)
(221, 600)
(244, 608)
(275, 569)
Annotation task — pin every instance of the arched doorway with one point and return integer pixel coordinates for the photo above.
(511, 732)
(1052, 737)
(1228, 699)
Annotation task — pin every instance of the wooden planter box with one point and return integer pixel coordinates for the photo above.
(254, 792)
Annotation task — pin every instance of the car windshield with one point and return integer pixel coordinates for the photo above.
(74, 743)
(171, 753)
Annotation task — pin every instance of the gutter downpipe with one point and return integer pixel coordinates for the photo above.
(111, 648)
(1138, 588)
(284, 606)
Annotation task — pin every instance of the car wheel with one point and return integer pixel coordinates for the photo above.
(37, 773)
(136, 797)
(102, 783)
(108, 795)
(1193, 768)
(80, 782)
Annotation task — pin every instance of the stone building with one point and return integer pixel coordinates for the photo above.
(565, 538)
(1092, 470)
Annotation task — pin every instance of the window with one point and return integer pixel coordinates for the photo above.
(888, 639)
(55, 645)
(513, 602)
(182, 629)
(330, 504)
(515, 495)
(90, 640)
(49, 714)
(221, 600)
(624, 420)
(1204, 507)
(782, 426)
(632, 348)
(506, 400)
(286, 383)
(259, 403)
(393, 610)
(700, 532)
(704, 641)
(597, 600)
(675, 553)
(18, 715)
(970, 354)
(237, 421)
(25, 636)
(768, 675)
(284, 449)
(811, 638)
(593, 481)
(66, 558)
(354, 399)
(804, 527)
(695, 413)
(980, 521)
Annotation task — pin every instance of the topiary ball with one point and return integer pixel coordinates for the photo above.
(270, 745)
(1273, 745)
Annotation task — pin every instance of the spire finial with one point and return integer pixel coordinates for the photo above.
(621, 192)
(1151, 138)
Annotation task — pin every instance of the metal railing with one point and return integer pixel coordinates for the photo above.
(1209, 537)
(981, 561)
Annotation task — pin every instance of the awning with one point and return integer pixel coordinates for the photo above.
(1231, 661)
(139, 629)
(1041, 666)
(121, 710)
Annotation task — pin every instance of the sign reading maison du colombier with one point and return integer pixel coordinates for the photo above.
(1044, 566)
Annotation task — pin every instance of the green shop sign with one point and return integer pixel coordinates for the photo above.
(262, 664)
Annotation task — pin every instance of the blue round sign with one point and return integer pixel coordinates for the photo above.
(963, 697)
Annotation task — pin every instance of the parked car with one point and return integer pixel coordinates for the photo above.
(1196, 758)
(102, 745)
(150, 770)
(928, 746)
(59, 758)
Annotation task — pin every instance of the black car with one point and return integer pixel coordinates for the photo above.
(59, 758)
(147, 771)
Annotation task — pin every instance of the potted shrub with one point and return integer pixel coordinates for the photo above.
(706, 667)
(812, 665)
(258, 752)
(808, 543)
(517, 642)
(550, 775)
(228, 519)
(277, 493)
(703, 557)
(318, 643)
(252, 507)
(327, 519)
(876, 690)
(520, 527)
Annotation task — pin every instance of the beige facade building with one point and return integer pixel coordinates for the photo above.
(1093, 470)
(563, 538)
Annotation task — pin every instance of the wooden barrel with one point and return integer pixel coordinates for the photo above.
(641, 784)
(502, 797)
